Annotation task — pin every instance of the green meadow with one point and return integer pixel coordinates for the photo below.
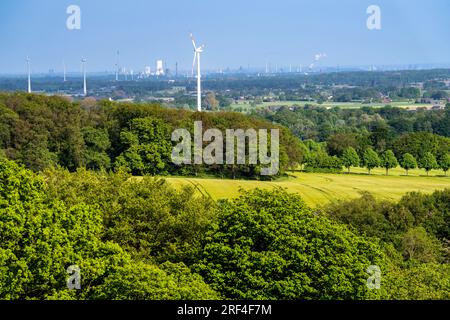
(342, 105)
(318, 188)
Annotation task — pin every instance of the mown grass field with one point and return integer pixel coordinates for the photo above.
(342, 105)
(318, 188)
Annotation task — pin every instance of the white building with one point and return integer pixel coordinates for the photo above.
(159, 68)
(147, 71)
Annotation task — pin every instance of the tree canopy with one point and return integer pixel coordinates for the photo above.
(269, 245)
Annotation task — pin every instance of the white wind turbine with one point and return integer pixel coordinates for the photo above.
(65, 71)
(83, 64)
(117, 66)
(197, 53)
(29, 74)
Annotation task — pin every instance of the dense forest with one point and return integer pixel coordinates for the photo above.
(41, 132)
(137, 238)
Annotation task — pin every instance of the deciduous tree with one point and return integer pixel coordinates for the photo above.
(428, 162)
(350, 158)
(408, 162)
(388, 161)
(371, 159)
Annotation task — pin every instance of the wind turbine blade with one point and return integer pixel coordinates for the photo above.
(193, 63)
(193, 41)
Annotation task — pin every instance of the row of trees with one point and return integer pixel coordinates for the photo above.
(387, 160)
(317, 159)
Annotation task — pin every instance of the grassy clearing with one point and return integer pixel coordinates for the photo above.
(317, 188)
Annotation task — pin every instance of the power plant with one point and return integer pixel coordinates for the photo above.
(159, 68)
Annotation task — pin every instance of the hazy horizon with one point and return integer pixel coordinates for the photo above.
(235, 33)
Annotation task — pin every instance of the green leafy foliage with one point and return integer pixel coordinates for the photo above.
(444, 163)
(97, 145)
(42, 236)
(138, 238)
(389, 161)
(141, 281)
(322, 162)
(429, 281)
(146, 216)
(41, 132)
(269, 245)
(408, 162)
(428, 162)
(414, 235)
(430, 211)
(147, 148)
(350, 158)
(371, 159)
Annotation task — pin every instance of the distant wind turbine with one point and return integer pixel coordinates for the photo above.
(117, 66)
(29, 74)
(64, 66)
(197, 52)
(83, 64)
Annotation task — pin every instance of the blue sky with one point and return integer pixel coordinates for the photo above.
(236, 33)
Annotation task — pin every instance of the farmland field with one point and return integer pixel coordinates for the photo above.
(318, 188)
(342, 105)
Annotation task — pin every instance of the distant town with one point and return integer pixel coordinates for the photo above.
(243, 90)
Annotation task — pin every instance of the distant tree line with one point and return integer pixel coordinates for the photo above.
(376, 135)
(317, 159)
(379, 126)
(40, 132)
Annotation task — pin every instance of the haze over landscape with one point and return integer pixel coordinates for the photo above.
(237, 33)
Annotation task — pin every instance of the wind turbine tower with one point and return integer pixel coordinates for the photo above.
(117, 66)
(64, 67)
(197, 53)
(83, 63)
(29, 74)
